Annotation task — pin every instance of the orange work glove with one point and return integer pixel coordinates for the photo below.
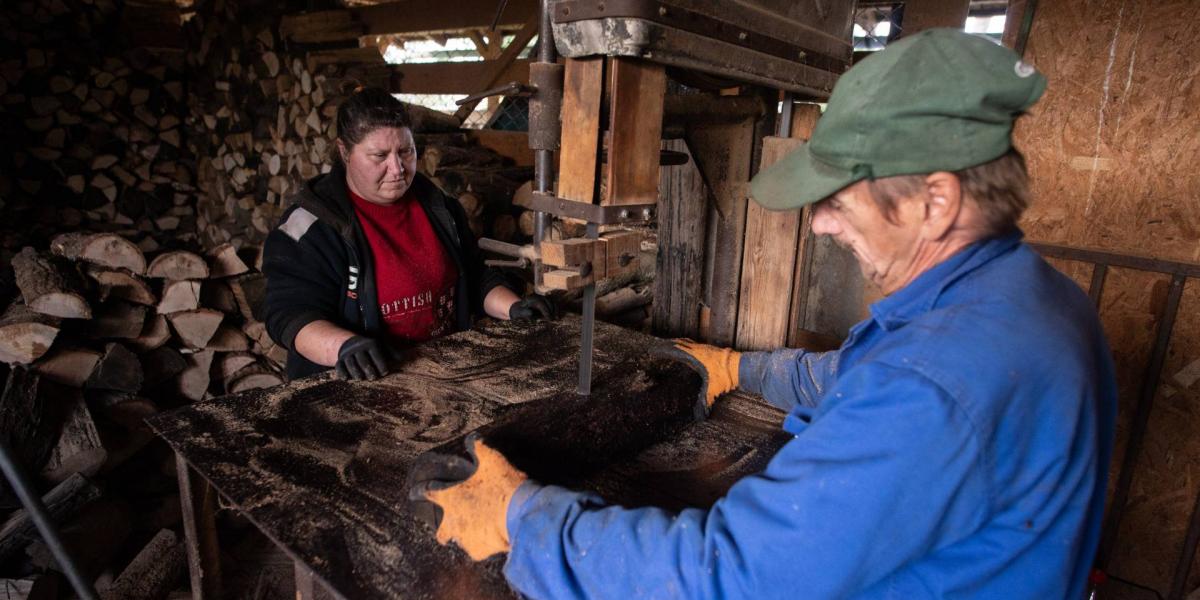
(474, 509)
(719, 365)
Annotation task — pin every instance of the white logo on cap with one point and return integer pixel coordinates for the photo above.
(1024, 69)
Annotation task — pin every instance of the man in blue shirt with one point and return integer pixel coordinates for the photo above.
(955, 446)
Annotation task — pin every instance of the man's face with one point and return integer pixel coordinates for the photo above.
(885, 250)
(381, 166)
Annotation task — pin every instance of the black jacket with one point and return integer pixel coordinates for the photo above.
(319, 265)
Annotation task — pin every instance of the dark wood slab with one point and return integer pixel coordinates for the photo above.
(319, 465)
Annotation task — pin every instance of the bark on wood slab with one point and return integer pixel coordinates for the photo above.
(336, 452)
(49, 286)
(119, 370)
(118, 320)
(224, 262)
(68, 366)
(250, 290)
(103, 249)
(62, 502)
(153, 572)
(218, 295)
(196, 327)
(121, 284)
(30, 419)
(178, 264)
(178, 296)
(25, 335)
(79, 449)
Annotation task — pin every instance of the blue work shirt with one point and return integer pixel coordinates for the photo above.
(955, 446)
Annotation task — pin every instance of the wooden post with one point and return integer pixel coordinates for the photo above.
(583, 88)
(198, 502)
(768, 265)
(679, 282)
(636, 92)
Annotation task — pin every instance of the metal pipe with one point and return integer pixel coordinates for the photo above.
(543, 158)
(45, 526)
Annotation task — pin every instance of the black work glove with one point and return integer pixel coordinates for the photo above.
(532, 307)
(438, 469)
(361, 357)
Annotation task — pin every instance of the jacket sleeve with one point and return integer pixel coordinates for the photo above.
(853, 497)
(303, 283)
(480, 277)
(788, 377)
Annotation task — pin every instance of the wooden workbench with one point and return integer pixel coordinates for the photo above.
(319, 465)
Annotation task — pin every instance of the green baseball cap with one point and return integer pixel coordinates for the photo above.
(939, 100)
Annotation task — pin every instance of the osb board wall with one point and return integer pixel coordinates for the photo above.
(92, 128)
(1112, 149)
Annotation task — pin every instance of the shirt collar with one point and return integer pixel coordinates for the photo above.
(919, 296)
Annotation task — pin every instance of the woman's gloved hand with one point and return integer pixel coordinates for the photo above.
(361, 357)
(532, 307)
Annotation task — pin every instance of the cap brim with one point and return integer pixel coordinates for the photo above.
(798, 179)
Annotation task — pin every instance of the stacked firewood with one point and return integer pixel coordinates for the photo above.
(94, 141)
(483, 181)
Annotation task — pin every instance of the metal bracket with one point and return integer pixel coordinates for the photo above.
(590, 213)
(512, 88)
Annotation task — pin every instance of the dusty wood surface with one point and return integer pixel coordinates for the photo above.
(319, 466)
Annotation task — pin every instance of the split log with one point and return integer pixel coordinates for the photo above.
(440, 157)
(49, 286)
(218, 295)
(178, 264)
(249, 290)
(62, 502)
(118, 283)
(153, 572)
(178, 296)
(161, 364)
(68, 366)
(119, 370)
(623, 299)
(126, 432)
(118, 320)
(252, 378)
(89, 537)
(155, 333)
(103, 249)
(224, 262)
(233, 362)
(192, 382)
(228, 339)
(24, 334)
(79, 449)
(196, 327)
(30, 419)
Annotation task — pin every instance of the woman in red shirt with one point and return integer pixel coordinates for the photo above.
(372, 254)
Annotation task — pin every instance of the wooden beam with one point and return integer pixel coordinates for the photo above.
(321, 26)
(198, 503)
(452, 78)
(495, 69)
(679, 274)
(343, 56)
(635, 130)
(920, 15)
(768, 264)
(583, 88)
(413, 16)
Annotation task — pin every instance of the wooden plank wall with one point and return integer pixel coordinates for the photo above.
(679, 279)
(1112, 150)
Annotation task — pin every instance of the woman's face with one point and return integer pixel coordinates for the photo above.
(381, 166)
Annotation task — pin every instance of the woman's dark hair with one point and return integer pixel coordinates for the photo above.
(364, 111)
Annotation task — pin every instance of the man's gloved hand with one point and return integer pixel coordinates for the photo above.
(719, 365)
(532, 307)
(361, 357)
(466, 500)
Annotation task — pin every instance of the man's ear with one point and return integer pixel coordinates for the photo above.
(943, 198)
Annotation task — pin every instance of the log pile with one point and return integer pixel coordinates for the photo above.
(95, 129)
(96, 336)
(91, 313)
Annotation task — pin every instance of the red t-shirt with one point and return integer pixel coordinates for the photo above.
(414, 275)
